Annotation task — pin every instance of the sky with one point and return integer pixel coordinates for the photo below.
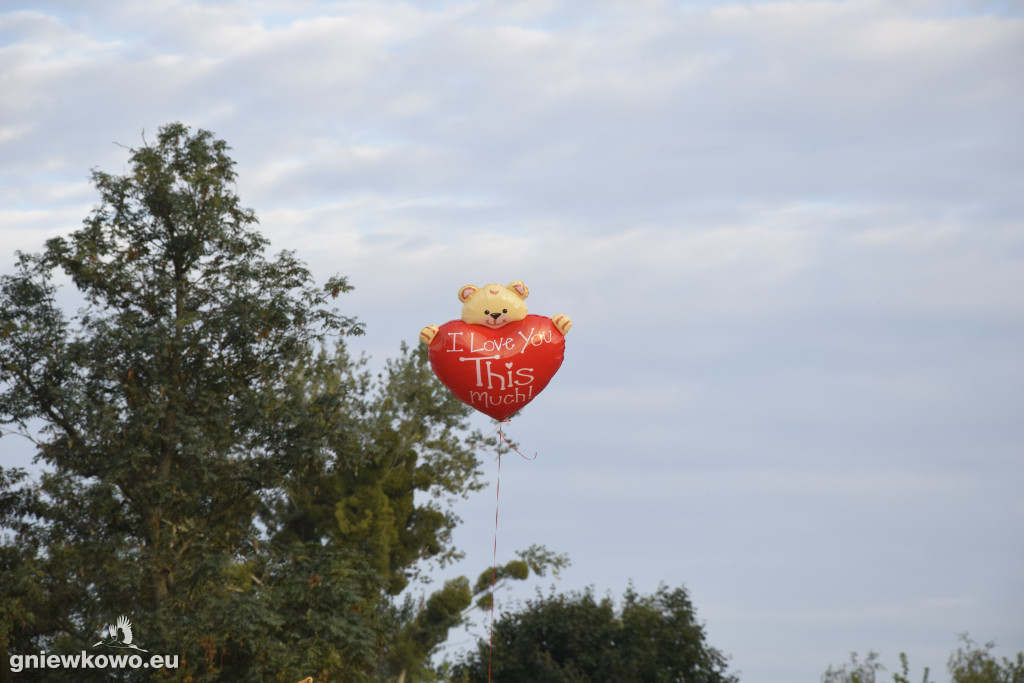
(790, 236)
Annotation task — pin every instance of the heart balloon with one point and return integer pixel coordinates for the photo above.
(497, 371)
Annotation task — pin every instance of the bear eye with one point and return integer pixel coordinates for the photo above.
(504, 310)
(487, 312)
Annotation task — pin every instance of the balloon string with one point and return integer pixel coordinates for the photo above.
(502, 435)
(494, 560)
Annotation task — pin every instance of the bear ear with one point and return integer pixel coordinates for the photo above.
(519, 288)
(467, 291)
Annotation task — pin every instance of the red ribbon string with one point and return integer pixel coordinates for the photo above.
(494, 561)
(502, 435)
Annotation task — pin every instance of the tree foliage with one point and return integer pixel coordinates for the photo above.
(575, 637)
(856, 670)
(973, 663)
(970, 663)
(420, 628)
(216, 464)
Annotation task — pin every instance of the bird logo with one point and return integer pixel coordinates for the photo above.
(119, 634)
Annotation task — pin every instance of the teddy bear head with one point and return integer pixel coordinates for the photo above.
(493, 305)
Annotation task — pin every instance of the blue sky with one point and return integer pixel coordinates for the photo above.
(790, 236)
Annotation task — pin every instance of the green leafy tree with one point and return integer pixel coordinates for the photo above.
(904, 675)
(216, 465)
(970, 663)
(974, 663)
(856, 670)
(576, 638)
(397, 460)
(398, 455)
(166, 411)
(249, 492)
(418, 630)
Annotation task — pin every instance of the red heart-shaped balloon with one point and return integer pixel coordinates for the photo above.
(497, 371)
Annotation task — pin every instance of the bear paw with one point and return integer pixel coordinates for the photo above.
(427, 334)
(562, 322)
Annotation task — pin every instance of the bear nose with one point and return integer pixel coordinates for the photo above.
(495, 315)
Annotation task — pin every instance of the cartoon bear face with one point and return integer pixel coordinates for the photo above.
(493, 305)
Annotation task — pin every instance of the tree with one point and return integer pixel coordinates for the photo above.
(390, 438)
(970, 663)
(575, 638)
(216, 464)
(401, 441)
(857, 671)
(164, 401)
(419, 630)
(974, 663)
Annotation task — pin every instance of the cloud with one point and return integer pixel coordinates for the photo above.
(789, 234)
(613, 118)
